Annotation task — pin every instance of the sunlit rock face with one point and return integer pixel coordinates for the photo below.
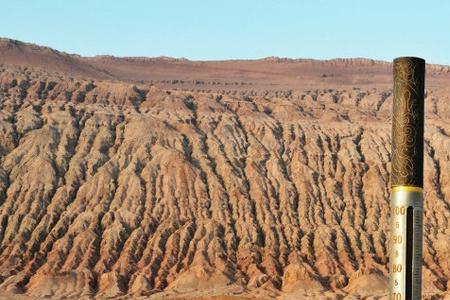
(109, 188)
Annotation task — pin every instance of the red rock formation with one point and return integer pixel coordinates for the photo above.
(110, 189)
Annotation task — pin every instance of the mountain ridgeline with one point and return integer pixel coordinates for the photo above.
(129, 177)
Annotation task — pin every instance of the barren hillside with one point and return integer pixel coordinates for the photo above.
(110, 188)
(270, 73)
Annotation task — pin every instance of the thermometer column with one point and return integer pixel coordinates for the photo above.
(407, 179)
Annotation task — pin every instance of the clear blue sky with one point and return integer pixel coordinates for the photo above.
(221, 29)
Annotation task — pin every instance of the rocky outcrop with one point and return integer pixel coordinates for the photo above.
(110, 189)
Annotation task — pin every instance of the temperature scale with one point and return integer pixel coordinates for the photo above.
(407, 179)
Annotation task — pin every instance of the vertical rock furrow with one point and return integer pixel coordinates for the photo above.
(110, 188)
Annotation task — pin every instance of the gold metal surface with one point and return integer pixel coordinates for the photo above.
(407, 188)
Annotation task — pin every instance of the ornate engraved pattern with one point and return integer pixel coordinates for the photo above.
(408, 122)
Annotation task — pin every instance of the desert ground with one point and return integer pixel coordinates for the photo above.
(163, 178)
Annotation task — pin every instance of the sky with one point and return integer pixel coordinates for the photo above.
(228, 29)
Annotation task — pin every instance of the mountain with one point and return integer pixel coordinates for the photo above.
(273, 72)
(13, 52)
(114, 186)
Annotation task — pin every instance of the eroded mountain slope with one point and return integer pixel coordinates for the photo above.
(110, 189)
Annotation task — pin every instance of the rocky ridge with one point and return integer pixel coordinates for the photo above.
(112, 189)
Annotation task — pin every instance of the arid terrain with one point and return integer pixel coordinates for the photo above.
(161, 178)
